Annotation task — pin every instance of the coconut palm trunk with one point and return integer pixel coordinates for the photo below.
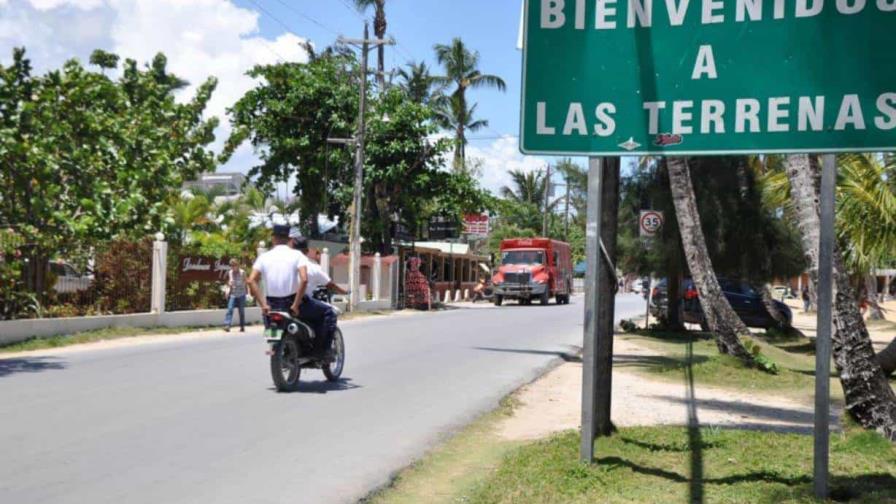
(869, 397)
(875, 312)
(768, 301)
(887, 358)
(723, 322)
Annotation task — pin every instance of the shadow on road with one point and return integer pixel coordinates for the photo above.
(325, 387)
(29, 365)
(571, 356)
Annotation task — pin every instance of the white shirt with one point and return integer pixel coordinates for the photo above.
(279, 268)
(317, 277)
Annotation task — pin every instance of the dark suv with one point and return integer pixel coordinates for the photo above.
(744, 299)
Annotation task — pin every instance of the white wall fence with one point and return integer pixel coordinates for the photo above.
(14, 331)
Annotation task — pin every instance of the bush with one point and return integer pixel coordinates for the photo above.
(762, 362)
(123, 277)
(628, 326)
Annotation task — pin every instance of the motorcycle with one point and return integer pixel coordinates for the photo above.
(291, 348)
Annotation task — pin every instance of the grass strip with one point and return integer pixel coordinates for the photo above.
(678, 464)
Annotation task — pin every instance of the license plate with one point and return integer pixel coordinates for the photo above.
(273, 334)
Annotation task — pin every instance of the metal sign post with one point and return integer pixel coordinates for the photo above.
(592, 302)
(825, 326)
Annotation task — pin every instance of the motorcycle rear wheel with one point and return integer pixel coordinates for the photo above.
(285, 368)
(333, 370)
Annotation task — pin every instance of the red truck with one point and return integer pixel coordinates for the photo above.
(533, 268)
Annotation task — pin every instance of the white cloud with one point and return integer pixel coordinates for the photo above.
(499, 158)
(201, 38)
(53, 4)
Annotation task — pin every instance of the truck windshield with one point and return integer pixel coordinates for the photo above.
(522, 257)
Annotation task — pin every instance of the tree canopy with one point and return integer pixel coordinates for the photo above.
(88, 158)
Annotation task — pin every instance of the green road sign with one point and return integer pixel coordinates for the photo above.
(692, 77)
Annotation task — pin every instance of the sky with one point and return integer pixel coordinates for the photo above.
(225, 38)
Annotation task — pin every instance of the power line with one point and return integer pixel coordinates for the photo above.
(352, 9)
(305, 16)
(273, 17)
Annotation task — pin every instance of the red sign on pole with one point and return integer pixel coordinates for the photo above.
(476, 224)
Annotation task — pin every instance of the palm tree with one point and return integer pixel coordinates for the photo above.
(187, 216)
(528, 188)
(452, 113)
(524, 200)
(722, 320)
(869, 397)
(418, 83)
(379, 29)
(462, 70)
(866, 211)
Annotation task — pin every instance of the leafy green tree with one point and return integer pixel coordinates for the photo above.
(461, 67)
(103, 59)
(288, 118)
(88, 158)
(403, 171)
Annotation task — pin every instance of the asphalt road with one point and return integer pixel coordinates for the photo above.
(187, 421)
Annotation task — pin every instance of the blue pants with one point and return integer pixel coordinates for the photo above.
(236, 302)
(279, 304)
(322, 318)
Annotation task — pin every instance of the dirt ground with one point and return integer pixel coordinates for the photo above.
(553, 403)
(882, 332)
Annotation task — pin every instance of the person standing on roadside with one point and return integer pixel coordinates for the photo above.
(236, 297)
(807, 300)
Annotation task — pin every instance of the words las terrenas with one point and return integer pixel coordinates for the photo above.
(742, 115)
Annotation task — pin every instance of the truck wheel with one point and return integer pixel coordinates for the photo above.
(499, 300)
(545, 298)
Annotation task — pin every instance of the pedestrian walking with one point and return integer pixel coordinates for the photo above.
(807, 300)
(236, 295)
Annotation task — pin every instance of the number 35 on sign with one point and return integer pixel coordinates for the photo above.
(651, 222)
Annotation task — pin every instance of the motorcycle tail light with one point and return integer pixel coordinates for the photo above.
(691, 294)
(277, 317)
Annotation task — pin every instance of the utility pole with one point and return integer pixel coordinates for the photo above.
(566, 219)
(547, 199)
(354, 270)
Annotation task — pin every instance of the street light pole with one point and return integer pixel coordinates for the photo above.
(354, 271)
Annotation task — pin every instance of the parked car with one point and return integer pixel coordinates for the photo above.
(744, 299)
(68, 279)
(533, 268)
(781, 292)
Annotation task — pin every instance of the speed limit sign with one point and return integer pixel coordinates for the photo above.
(651, 222)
